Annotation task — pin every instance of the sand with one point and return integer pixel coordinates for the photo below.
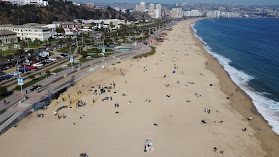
(99, 131)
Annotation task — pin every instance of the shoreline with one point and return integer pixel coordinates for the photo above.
(269, 139)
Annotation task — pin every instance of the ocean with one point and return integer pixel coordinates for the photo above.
(248, 49)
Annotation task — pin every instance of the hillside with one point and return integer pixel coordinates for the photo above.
(56, 11)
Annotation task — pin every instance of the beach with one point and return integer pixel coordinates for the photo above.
(180, 98)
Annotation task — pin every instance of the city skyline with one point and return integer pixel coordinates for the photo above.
(232, 2)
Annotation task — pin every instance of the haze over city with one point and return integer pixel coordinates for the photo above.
(234, 2)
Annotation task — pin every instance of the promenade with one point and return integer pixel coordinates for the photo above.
(17, 107)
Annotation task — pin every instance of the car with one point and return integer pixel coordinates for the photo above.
(2, 73)
(64, 54)
(35, 87)
(30, 67)
(5, 77)
(38, 65)
(15, 73)
(52, 59)
(24, 70)
(48, 61)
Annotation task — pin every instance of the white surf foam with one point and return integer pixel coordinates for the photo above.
(267, 107)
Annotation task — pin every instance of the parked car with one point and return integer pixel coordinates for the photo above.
(52, 59)
(5, 77)
(38, 65)
(2, 73)
(21, 69)
(48, 61)
(15, 73)
(30, 67)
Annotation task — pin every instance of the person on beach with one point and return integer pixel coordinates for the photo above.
(250, 118)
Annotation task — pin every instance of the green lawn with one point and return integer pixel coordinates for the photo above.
(74, 64)
(58, 70)
(7, 52)
(153, 51)
(95, 50)
(109, 50)
(82, 60)
(66, 49)
(109, 53)
(95, 56)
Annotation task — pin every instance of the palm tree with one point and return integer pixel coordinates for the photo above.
(37, 42)
(22, 45)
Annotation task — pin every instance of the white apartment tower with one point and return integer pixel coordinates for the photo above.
(151, 10)
(176, 13)
(141, 7)
(158, 10)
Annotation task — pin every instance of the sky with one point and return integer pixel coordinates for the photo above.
(234, 2)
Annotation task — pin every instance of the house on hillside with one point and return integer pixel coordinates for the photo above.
(27, 2)
(7, 37)
(29, 31)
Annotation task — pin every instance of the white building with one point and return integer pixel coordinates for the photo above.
(158, 11)
(151, 10)
(141, 7)
(193, 13)
(176, 13)
(29, 2)
(104, 23)
(28, 31)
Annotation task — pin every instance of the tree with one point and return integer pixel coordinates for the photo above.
(3, 90)
(84, 54)
(31, 77)
(22, 45)
(60, 42)
(37, 42)
(19, 52)
(60, 30)
(108, 41)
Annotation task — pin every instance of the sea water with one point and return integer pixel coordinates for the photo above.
(248, 49)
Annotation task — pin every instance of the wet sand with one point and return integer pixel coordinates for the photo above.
(242, 103)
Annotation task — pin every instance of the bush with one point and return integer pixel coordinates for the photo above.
(31, 77)
(17, 87)
(84, 54)
(3, 90)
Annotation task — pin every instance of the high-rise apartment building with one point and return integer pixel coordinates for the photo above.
(176, 13)
(141, 7)
(151, 10)
(158, 11)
